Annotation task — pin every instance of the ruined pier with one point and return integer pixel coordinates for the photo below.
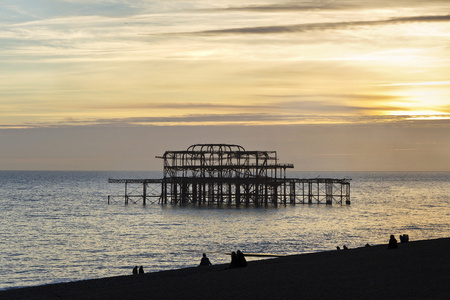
(226, 174)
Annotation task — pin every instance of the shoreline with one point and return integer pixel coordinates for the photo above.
(416, 270)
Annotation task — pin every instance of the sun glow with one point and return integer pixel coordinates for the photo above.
(420, 102)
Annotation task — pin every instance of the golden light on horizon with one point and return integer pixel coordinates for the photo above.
(430, 118)
(424, 99)
(420, 114)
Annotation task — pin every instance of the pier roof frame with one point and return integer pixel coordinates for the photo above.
(222, 160)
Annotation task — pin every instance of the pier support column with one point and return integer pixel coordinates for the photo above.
(144, 193)
(174, 199)
(275, 195)
(194, 193)
(347, 193)
(329, 192)
(292, 193)
(310, 194)
(126, 193)
(238, 195)
(164, 197)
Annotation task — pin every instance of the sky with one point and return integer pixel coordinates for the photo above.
(334, 85)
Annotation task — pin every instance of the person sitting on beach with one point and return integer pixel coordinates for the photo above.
(234, 261)
(345, 247)
(338, 248)
(241, 261)
(404, 238)
(205, 261)
(135, 270)
(392, 243)
(141, 270)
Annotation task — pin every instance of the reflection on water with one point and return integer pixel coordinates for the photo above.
(56, 226)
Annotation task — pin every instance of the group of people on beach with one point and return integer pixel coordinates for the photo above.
(237, 260)
(393, 244)
(404, 238)
(136, 271)
(339, 248)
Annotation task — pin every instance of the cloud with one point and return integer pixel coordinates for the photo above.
(337, 107)
(27, 10)
(281, 106)
(321, 26)
(240, 119)
(327, 5)
(92, 66)
(280, 7)
(183, 105)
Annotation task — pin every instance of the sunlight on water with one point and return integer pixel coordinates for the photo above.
(57, 226)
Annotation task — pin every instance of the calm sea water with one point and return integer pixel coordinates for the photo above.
(58, 227)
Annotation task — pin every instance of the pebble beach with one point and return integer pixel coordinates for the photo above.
(416, 270)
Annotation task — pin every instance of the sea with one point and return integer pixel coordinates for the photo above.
(57, 226)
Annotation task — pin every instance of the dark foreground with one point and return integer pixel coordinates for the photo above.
(416, 270)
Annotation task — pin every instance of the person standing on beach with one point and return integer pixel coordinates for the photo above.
(392, 243)
(135, 270)
(141, 270)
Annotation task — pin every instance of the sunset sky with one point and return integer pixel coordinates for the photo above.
(338, 85)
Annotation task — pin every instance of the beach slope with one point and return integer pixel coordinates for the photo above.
(416, 270)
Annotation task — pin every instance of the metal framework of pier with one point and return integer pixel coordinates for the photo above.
(225, 174)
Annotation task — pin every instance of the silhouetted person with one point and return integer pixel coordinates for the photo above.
(234, 261)
(242, 262)
(392, 243)
(135, 270)
(205, 261)
(338, 248)
(141, 270)
(404, 238)
(345, 247)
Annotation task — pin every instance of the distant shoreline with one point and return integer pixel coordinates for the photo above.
(417, 270)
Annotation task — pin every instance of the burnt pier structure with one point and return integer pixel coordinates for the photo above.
(226, 174)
